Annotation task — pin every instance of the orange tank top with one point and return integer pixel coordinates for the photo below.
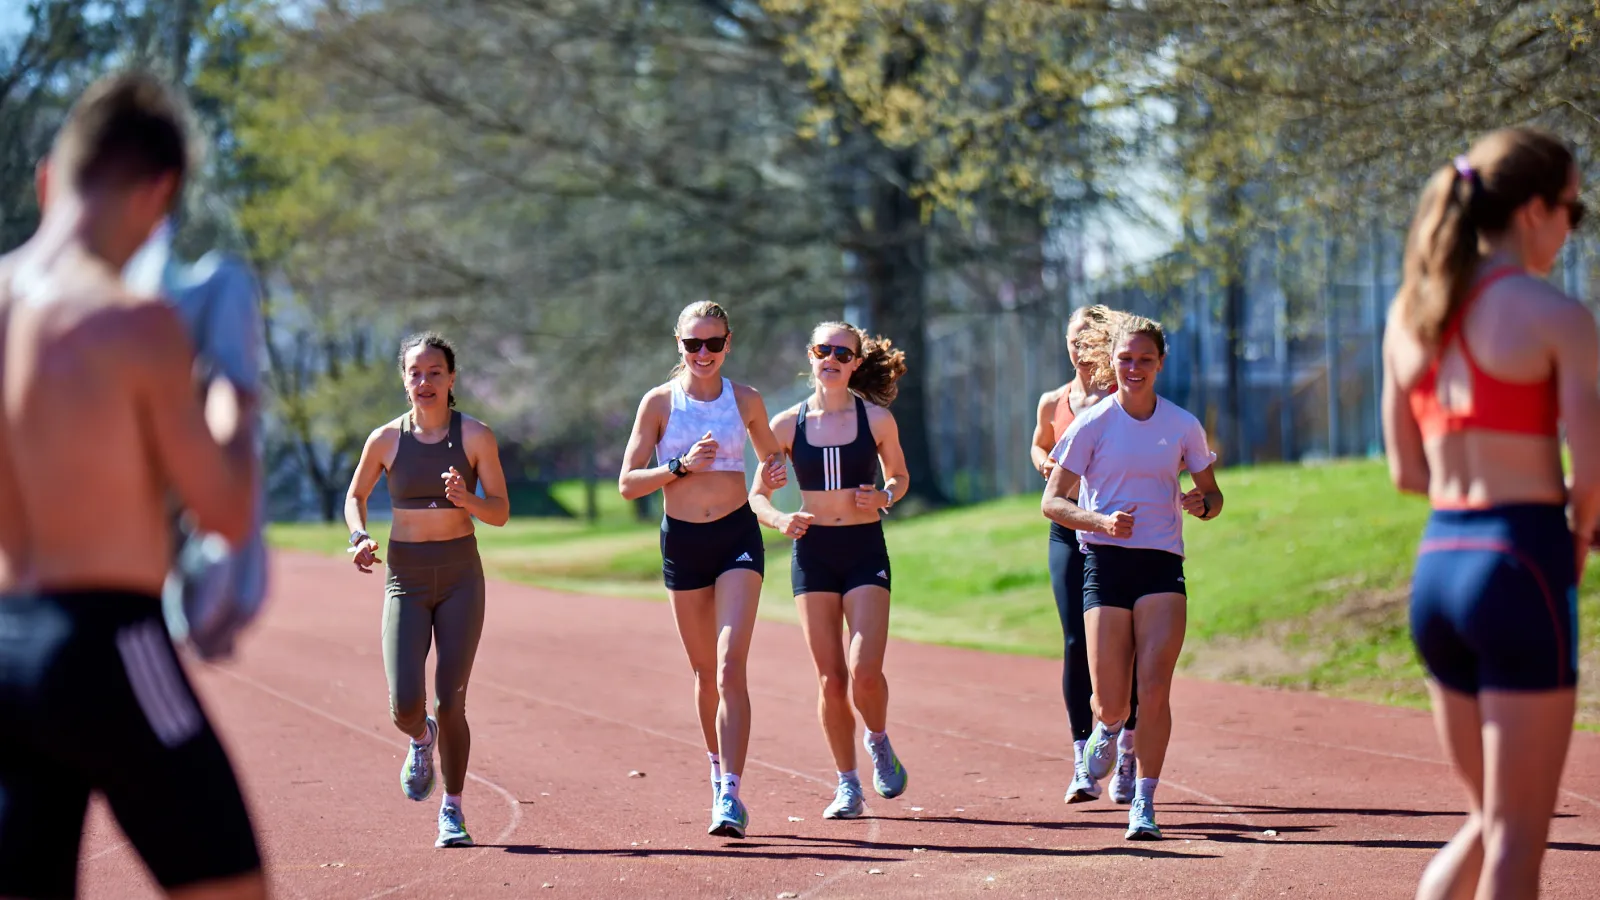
(1496, 405)
(1063, 416)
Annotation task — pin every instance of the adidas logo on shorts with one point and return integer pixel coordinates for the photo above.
(744, 557)
(433, 505)
(884, 575)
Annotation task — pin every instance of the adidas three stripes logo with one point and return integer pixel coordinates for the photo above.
(831, 480)
(157, 684)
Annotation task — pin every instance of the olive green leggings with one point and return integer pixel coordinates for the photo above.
(433, 596)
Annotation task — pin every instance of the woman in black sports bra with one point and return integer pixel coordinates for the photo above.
(837, 440)
(435, 459)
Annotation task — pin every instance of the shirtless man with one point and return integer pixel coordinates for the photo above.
(100, 422)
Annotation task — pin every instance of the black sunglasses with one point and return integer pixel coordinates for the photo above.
(1575, 211)
(693, 345)
(842, 354)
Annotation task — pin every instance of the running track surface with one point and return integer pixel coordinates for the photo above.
(1266, 793)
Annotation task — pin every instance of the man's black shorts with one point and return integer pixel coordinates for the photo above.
(92, 698)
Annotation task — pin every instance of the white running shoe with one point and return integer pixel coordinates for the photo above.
(1083, 788)
(1122, 784)
(1100, 752)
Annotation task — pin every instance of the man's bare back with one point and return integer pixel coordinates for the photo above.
(100, 421)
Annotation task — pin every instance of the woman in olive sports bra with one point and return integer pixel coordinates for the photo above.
(435, 459)
(840, 567)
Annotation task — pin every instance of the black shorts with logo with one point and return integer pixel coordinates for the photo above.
(1119, 576)
(94, 699)
(695, 554)
(837, 559)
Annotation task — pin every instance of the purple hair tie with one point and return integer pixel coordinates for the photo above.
(1464, 168)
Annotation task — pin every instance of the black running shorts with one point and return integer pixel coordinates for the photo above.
(1119, 576)
(93, 699)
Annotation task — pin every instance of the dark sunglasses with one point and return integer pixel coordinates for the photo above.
(842, 354)
(693, 345)
(1575, 211)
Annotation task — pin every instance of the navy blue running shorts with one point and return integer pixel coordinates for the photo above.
(1494, 599)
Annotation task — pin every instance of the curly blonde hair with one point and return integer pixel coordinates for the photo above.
(1097, 341)
(1124, 326)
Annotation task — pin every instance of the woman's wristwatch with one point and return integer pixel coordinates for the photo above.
(358, 536)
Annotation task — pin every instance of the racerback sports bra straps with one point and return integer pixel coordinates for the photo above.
(1530, 408)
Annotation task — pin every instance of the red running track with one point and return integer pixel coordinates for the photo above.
(1267, 793)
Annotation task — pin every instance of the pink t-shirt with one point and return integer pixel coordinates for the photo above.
(1132, 466)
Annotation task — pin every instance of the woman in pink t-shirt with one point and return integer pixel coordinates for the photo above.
(1127, 454)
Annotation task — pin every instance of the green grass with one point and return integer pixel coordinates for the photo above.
(1301, 582)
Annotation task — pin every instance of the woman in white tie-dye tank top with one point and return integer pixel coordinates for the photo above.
(712, 559)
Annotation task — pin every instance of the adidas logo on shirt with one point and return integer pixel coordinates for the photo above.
(433, 505)
(744, 557)
(1161, 443)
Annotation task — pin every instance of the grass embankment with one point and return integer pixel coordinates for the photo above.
(1301, 583)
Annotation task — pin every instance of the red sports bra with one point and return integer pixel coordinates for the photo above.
(1497, 405)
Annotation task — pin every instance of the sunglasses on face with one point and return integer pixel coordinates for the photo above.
(842, 354)
(715, 345)
(1575, 211)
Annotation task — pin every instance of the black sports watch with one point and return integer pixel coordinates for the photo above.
(357, 536)
(675, 466)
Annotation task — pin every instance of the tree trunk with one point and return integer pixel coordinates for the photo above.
(893, 271)
(1233, 335)
(591, 499)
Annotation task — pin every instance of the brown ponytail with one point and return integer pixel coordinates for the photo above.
(1475, 196)
(881, 364)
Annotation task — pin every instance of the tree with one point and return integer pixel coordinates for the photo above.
(42, 69)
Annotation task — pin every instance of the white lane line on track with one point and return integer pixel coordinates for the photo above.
(512, 822)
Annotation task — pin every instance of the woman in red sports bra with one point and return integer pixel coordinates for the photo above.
(1484, 363)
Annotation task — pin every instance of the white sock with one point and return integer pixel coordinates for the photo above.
(1077, 751)
(1125, 740)
(1113, 727)
(730, 785)
(716, 766)
(429, 732)
(851, 777)
(1146, 788)
(452, 800)
(877, 737)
